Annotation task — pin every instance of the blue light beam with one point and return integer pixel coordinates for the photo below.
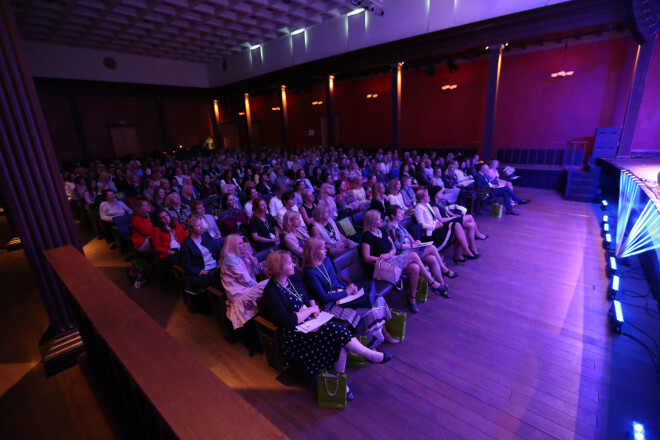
(644, 233)
(628, 192)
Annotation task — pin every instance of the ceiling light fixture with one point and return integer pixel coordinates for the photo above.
(355, 12)
(255, 47)
(299, 31)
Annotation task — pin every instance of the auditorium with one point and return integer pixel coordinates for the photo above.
(330, 219)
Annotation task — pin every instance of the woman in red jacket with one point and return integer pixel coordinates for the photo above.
(167, 236)
(141, 225)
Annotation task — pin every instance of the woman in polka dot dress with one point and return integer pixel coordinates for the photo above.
(286, 304)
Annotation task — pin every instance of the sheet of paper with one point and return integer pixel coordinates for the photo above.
(313, 324)
(350, 298)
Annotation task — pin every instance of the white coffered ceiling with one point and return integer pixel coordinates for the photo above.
(189, 30)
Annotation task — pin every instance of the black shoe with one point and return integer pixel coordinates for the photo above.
(386, 358)
(413, 307)
(485, 237)
(453, 274)
(473, 257)
(459, 261)
(440, 290)
(350, 396)
(524, 202)
(512, 213)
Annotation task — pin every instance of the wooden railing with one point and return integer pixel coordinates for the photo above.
(160, 387)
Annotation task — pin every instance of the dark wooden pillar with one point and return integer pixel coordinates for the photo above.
(79, 126)
(330, 109)
(32, 185)
(215, 125)
(491, 103)
(284, 120)
(248, 118)
(396, 107)
(642, 63)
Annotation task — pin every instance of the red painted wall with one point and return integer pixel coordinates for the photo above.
(647, 133)
(303, 116)
(364, 123)
(188, 121)
(61, 128)
(267, 120)
(98, 113)
(534, 107)
(430, 115)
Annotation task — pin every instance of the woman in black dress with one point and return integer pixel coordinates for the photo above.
(285, 302)
(263, 227)
(377, 248)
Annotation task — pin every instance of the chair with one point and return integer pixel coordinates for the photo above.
(350, 268)
(121, 230)
(269, 335)
(218, 300)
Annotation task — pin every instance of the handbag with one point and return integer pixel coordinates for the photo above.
(331, 386)
(396, 326)
(386, 270)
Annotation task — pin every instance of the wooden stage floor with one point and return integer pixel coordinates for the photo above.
(522, 350)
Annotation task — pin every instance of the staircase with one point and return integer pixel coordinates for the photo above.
(582, 186)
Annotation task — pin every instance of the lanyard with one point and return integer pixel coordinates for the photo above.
(326, 275)
(293, 292)
(431, 211)
(265, 220)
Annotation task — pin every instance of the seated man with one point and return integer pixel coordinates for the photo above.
(482, 182)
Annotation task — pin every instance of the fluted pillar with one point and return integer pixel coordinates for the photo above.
(32, 185)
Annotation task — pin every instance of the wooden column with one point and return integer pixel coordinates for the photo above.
(491, 103)
(248, 118)
(396, 107)
(79, 126)
(284, 115)
(642, 63)
(330, 110)
(215, 125)
(32, 185)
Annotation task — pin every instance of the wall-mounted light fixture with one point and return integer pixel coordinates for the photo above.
(372, 95)
(241, 113)
(449, 87)
(276, 108)
(317, 102)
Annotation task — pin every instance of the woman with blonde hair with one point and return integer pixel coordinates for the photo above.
(394, 195)
(238, 275)
(377, 248)
(326, 229)
(285, 302)
(296, 236)
(367, 315)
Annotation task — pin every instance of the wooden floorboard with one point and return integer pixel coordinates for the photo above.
(521, 351)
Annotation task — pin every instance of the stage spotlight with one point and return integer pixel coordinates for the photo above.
(607, 243)
(615, 317)
(613, 288)
(638, 431)
(376, 10)
(606, 218)
(611, 266)
(603, 205)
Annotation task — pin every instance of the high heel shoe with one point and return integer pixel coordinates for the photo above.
(441, 290)
(459, 261)
(473, 257)
(447, 274)
(412, 306)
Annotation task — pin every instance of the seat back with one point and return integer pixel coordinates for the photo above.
(349, 265)
(358, 218)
